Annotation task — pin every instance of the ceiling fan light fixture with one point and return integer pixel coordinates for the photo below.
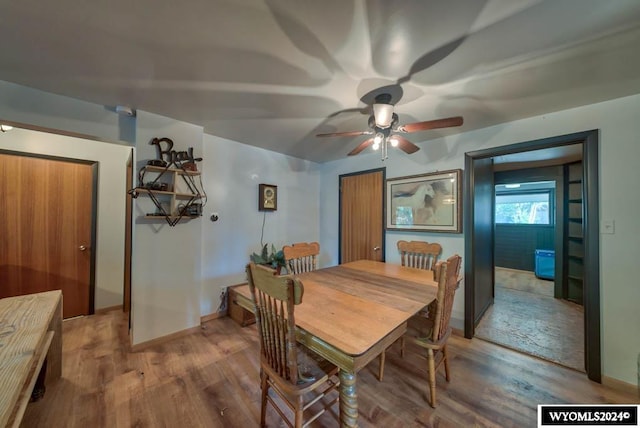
(377, 140)
(393, 141)
(383, 114)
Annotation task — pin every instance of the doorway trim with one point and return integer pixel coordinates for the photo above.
(589, 140)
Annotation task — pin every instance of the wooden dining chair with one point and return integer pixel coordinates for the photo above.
(420, 255)
(432, 332)
(289, 369)
(301, 257)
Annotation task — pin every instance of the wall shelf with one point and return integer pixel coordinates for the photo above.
(573, 252)
(174, 192)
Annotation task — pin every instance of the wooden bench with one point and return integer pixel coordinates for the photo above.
(241, 308)
(30, 332)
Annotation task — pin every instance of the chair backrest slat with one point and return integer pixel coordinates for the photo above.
(447, 284)
(419, 254)
(301, 257)
(274, 298)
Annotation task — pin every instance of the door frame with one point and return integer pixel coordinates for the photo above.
(384, 214)
(589, 140)
(94, 211)
(128, 238)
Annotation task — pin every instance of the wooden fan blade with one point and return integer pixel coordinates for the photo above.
(361, 147)
(345, 134)
(431, 124)
(405, 145)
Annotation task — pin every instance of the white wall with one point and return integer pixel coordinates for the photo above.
(177, 273)
(619, 201)
(24, 105)
(111, 199)
(166, 261)
(231, 175)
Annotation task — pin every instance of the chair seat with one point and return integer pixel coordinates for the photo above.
(312, 366)
(317, 376)
(426, 342)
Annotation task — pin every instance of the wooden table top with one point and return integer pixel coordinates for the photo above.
(354, 305)
(24, 321)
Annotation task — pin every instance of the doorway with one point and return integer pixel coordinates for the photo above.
(528, 314)
(48, 228)
(361, 208)
(479, 242)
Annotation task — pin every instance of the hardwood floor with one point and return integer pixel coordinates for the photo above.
(210, 379)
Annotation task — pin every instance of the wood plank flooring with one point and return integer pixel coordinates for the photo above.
(210, 379)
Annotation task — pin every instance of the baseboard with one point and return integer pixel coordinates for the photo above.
(528, 272)
(457, 332)
(107, 309)
(620, 385)
(213, 316)
(159, 340)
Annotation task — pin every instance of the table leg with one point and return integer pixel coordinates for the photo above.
(348, 399)
(54, 356)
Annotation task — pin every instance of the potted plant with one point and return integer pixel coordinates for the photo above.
(273, 259)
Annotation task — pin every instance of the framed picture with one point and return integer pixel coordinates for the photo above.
(427, 202)
(267, 197)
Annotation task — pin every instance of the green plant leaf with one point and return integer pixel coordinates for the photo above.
(274, 258)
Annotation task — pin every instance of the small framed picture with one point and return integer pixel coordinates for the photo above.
(267, 197)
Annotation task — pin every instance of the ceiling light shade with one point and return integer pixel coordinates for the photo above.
(393, 141)
(383, 114)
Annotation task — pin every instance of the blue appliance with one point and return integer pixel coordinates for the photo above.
(545, 264)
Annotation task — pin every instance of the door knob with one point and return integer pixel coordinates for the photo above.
(82, 248)
(376, 248)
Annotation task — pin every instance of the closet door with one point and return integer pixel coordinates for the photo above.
(46, 229)
(361, 216)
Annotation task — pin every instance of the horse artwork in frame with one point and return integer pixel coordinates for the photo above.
(426, 202)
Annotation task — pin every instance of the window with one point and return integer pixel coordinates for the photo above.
(532, 207)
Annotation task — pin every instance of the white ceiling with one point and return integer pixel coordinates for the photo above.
(273, 73)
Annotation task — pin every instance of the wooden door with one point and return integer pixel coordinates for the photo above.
(480, 251)
(361, 216)
(46, 229)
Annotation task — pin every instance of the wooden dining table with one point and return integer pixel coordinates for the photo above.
(352, 312)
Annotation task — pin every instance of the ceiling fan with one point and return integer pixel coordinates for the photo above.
(385, 129)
